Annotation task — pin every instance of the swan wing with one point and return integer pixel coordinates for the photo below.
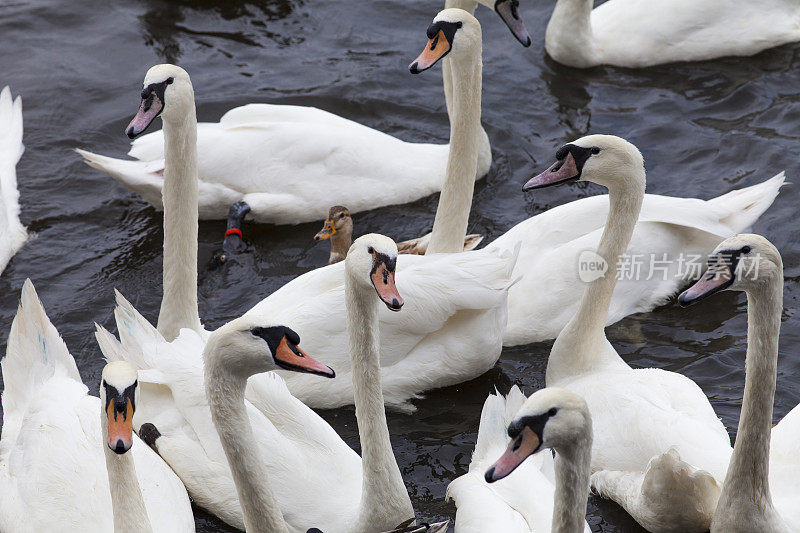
(684, 30)
(784, 466)
(640, 414)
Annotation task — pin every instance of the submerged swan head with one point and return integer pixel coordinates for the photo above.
(509, 12)
(744, 262)
(371, 262)
(551, 418)
(119, 392)
(167, 92)
(603, 159)
(453, 32)
(248, 346)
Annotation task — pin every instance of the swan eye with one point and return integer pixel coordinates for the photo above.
(552, 411)
(371, 250)
(746, 250)
(595, 150)
(170, 80)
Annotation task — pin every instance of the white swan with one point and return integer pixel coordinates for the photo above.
(555, 241)
(53, 474)
(638, 33)
(249, 153)
(647, 422)
(762, 486)
(12, 232)
(302, 454)
(119, 391)
(525, 501)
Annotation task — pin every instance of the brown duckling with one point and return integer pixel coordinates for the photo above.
(338, 228)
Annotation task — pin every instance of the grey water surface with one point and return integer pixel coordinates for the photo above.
(704, 129)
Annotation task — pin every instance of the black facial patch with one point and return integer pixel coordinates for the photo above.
(579, 154)
(536, 423)
(447, 28)
(380, 259)
(155, 89)
(731, 259)
(119, 399)
(275, 334)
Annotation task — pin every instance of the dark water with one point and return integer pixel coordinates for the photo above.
(703, 128)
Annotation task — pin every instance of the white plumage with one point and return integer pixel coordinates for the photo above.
(52, 468)
(640, 33)
(12, 232)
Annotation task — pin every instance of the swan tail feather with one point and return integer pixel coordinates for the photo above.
(11, 147)
(667, 484)
(144, 177)
(497, 413)
(742, 207)
(134, 332)
(34, 354)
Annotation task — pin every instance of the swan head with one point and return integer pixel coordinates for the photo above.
(248, 346)
(603, 159)
(509, 12)
(119, 392)
(371, 262)
(338, 222)
(167, 92)
(453, 31)
(551, 418)
(744, 262)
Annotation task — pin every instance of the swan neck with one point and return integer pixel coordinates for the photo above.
(447, 73)
(568, 37)
(180, 196)
(384, 498)
(582, 344)
(572, 469)
(225, 393)
(455, 201)
(747, 481)
(130, 512)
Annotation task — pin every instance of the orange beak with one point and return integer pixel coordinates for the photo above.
(120, 426)
(519, 449)
(326, 232)
(290, 357)
(434, 50)
(382, 278)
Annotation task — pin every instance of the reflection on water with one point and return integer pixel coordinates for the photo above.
(704, 129)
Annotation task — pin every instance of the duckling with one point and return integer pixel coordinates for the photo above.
(338, 228)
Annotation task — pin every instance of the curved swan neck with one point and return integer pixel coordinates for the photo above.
(572, 469)
(383, 493)
(580, 345)
(455, 201)
(130, 513)
(225, 393)
(180, 196)
(568, 37)
(746, 491)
